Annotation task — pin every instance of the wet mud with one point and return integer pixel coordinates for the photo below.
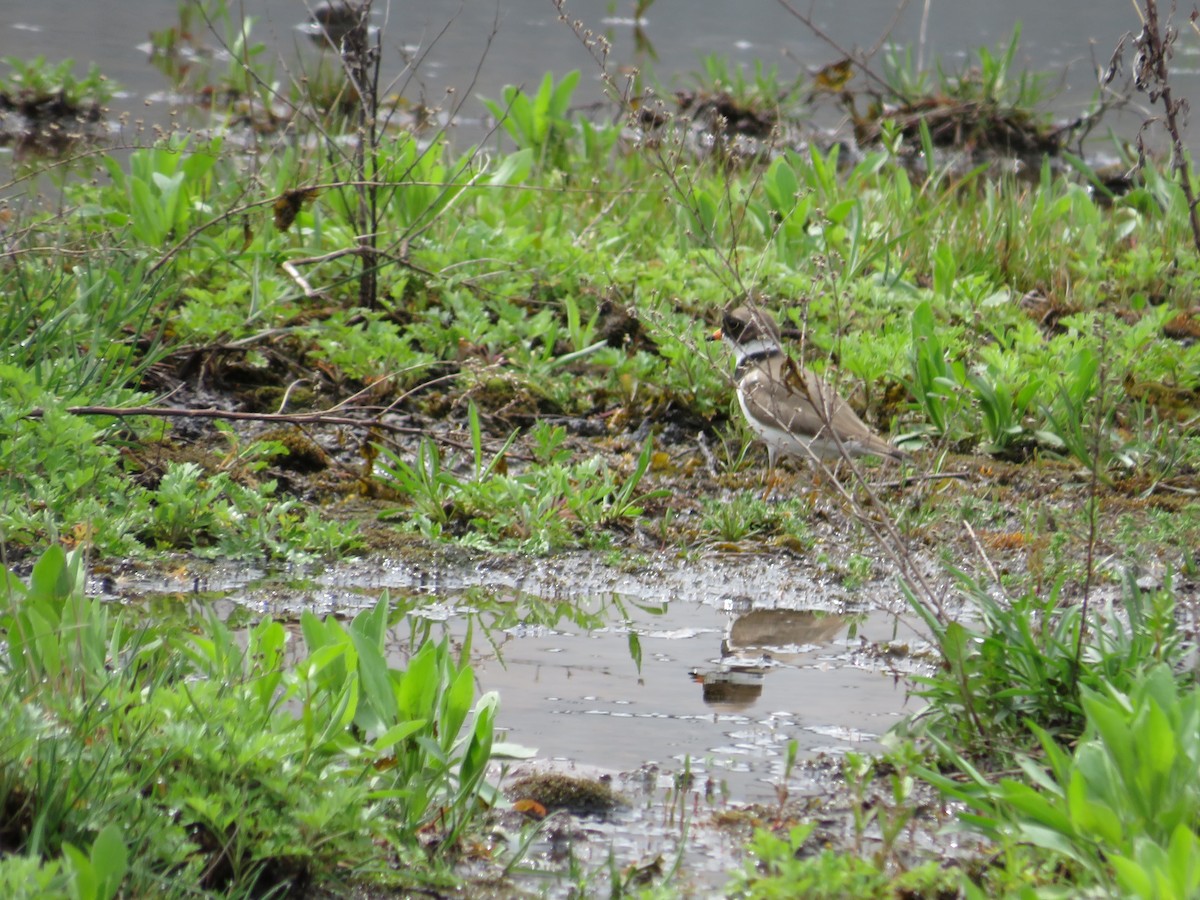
(676, 683)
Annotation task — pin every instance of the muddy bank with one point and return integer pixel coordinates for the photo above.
(677, 681)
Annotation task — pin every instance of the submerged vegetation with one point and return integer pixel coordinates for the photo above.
(234, 343)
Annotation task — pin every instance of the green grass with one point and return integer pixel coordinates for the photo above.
(957, 361)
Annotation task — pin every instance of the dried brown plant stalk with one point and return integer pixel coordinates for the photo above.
(1151, 75)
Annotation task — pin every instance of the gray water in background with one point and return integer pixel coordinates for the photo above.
(1063, 37)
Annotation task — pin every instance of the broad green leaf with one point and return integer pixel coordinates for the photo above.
(1111, 724)
(396, 734)
(457, 705)
(375, 682)
(1133, 879)
(1091, 819)
(1034, 806)
(371, 624)
(321, 659)
(50, 579)
(110, 861)
(1157, 741)
(84, 883)
(1183, 858)
(418, 685)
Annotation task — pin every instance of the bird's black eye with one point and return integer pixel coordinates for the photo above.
(732, 326)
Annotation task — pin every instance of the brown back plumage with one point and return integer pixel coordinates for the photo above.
(797, 412)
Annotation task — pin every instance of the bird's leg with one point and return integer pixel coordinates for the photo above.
(770, 482)
(818, 472)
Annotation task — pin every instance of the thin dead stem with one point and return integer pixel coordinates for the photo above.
(1097, 461)
(1151, 75)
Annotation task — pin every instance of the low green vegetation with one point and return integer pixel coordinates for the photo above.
(37, 81)
(504, 347)
(778, 868)
(1030, 658)
(550, 505)
(1119, 808)
(1073, 754)
(139, 758)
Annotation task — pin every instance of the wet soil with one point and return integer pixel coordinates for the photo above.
(678, 681)
(716, 659)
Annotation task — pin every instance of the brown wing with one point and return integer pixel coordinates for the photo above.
(780, 396)
(789, 397)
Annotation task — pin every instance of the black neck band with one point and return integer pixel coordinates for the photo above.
(751, 358)
(761, 355)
